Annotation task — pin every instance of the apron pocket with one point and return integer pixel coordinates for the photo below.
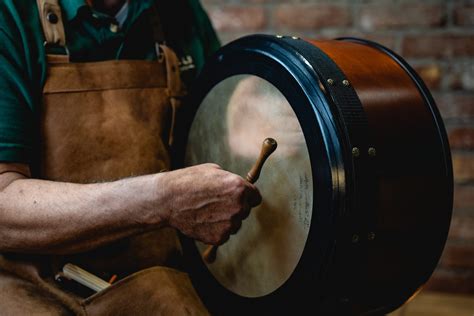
(153, 291)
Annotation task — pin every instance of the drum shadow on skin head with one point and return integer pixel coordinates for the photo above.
(245, 110)
(261, 265)
(256, 111)
(263, 255)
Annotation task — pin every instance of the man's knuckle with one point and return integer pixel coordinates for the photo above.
(227, 227)
(236, 210)
(232, 181)
(242, 210)
(239, 191)
(236, 214)
(219, 240)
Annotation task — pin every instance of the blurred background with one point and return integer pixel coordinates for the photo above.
(437, 39)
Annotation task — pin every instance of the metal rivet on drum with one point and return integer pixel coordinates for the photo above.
(355, 238)
(330, 81)
(279, 36)
(321, 87)
(355, 152)
(372, 152)
(371, 236)
(346, 82)
(52, 18)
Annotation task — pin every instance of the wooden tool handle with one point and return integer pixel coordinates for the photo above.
(85, 278)
(268, 147)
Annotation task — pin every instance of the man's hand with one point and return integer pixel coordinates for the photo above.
(39, 216)
(207, 203)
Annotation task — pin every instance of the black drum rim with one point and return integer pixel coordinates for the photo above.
(221, 67)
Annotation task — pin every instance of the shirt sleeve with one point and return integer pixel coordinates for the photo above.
(206, 31)
(16, 105)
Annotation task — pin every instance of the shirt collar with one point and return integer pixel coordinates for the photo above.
(72, 7)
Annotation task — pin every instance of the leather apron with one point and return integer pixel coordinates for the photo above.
(105, 121)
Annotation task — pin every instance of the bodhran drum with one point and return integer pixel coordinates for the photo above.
(357, 197)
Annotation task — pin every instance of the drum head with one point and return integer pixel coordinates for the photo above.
(247, 109)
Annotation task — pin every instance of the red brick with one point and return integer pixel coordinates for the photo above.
(453, 281)
(464, 197)
(453, 79)
(389, 41)
(462, 228)
(431, 75)
(467, 75)
(386, 40)
(237, 18)
(456, 106)
(460, 75)
(380, 16)
(259, 1)
(438, 46)
(463, 167)
(310, 17)
(208, 3)
(461, 138)
(457, 257)
(464, 16)
(226, 37)
(333, 33)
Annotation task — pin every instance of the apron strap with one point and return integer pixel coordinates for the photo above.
(176, 88)
(157, 29)
(53, 27)
(52, 22)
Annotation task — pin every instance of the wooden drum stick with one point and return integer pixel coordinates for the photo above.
(268, 147)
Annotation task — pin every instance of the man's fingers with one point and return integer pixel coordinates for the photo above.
(235, 227)
(253, 196)
(215, 204)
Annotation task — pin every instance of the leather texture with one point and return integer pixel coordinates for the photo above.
(163, 291)
(53, 29)
(112, 123)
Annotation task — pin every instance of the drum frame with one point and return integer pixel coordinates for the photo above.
(332, 264)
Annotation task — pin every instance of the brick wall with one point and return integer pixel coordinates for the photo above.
(436, 37)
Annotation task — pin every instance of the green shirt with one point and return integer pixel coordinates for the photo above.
(89, 37)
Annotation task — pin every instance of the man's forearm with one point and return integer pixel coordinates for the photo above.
(203, 202)
(40, 216)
